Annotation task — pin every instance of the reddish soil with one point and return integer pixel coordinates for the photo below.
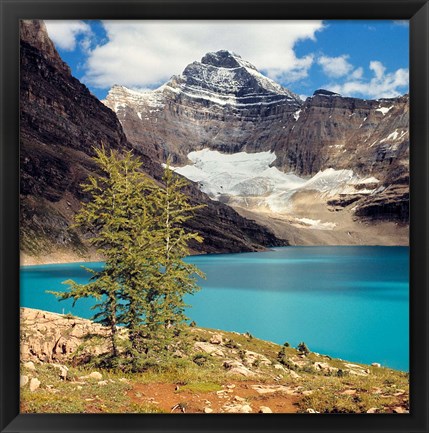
(165, 396)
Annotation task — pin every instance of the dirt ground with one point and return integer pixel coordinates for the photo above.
(236, 393)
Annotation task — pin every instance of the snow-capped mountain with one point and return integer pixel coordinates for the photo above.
(246, 139)
(221, 102)
(224, 78)
(224, 103)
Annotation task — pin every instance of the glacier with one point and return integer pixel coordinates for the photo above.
(244, 176)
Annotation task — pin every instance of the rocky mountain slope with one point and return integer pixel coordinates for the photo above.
(220, 103)
(223, 103)
(61, 122)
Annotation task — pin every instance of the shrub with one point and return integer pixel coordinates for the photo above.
(200, 359)
(242, 354)
(231, 344)
(302, 347)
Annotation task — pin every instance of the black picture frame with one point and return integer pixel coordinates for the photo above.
(417, 11)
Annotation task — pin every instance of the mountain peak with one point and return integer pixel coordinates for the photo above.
(227, 78)
(225, 59)
(34, 32)
(325, 92)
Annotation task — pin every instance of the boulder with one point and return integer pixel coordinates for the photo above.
(34, 384)
(400, 409)
(29, 366)
(238, 408)
(209, 348)
(265, 409)
(310, 410)
(271, 389)
(216, 339)
(23, 380)
(63, 370)
(294, 375)
(241, 371)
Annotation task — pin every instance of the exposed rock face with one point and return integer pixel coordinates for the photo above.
(50, 337)
(371, 137)
(223, 103)
(61, 123)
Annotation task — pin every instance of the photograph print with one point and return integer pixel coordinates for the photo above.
(214, 217)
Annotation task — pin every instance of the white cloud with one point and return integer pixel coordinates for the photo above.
(357, 73)
(382, 85)
(378, 69)
(335, 66)
(64, 33)
(146, 53)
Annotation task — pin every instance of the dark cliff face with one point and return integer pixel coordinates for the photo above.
(371, 137)
(60, 124)
(335, 131)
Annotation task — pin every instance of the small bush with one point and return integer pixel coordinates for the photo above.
(193, 324)
(286, 344)
(308, 369)
(231, 344)
(302, 347)
(200, 359)
(242, 354)
(282, 356)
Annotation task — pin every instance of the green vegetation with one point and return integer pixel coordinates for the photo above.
(183, 379)
(137, 226)
(302, 347)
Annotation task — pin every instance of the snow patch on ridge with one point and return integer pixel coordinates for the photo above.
(317, 224)
(384, 110)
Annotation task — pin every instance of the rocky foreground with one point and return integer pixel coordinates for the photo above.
(223, 372)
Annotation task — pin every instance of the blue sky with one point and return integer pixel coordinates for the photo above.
(365, 59)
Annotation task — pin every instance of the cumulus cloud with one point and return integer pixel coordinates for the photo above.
(65, 33)
(357, 73)
(335, 66)
(148, 53)
(382, 84)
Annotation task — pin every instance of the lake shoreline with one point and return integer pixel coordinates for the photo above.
(362, 288)
(240, 374)
(68, 258)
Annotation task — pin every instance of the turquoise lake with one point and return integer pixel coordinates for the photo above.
(347, 302)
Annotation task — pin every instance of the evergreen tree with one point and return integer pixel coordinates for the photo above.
(177, 278)
(138, 228)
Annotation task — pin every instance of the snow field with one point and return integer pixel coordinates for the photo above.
(245, 175)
